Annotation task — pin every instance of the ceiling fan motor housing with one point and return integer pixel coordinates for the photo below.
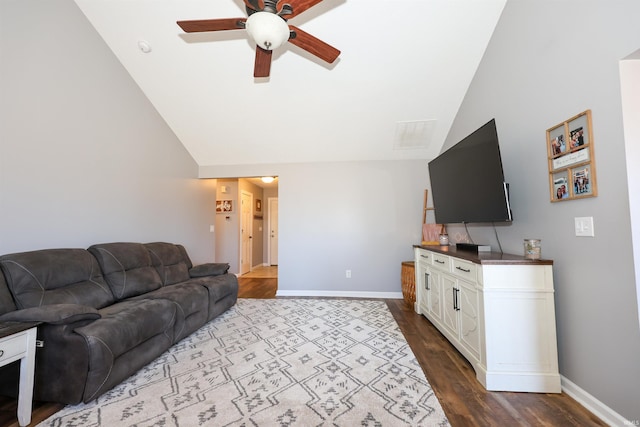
(267, 29)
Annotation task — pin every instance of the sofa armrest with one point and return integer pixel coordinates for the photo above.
(209, 269)
(55, 314)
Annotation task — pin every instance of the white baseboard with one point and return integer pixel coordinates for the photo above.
(598, 408)
(341, 294)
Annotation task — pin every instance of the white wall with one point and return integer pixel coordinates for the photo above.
(84, 157)
(361, 216)
(630, 84)
(548, 61)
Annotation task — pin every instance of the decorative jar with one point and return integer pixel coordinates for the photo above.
(532, 248)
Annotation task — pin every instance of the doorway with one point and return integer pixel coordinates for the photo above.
(243, 234)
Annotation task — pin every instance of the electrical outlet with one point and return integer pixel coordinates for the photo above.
(348, 274)
(584, 226)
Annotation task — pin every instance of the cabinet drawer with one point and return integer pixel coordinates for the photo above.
(464, 269)
(424, 256)
(441, 262)
(11, 347)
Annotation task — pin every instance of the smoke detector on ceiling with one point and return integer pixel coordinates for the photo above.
(144, 46)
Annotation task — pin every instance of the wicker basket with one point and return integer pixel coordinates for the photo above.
(408, 278)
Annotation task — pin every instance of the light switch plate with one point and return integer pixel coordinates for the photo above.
(584, 226)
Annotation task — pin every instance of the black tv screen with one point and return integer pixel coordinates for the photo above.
(467, 180)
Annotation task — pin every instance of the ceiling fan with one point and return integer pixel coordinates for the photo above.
(267, 26)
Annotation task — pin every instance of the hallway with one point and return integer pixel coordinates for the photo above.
(262, 282)
(264, 272)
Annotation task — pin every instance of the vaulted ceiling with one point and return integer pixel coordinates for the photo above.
(393, 93)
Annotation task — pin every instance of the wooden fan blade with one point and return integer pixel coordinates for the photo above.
(256, 5)
(203, 25)
(314, 45)
(263, 62)
(300, 6)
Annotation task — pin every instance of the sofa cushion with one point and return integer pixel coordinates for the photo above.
(219, 288)
(55, 276)
(114, 341)
(192, 306)
(169, 261)
(185, 255)
(6, 300)
(126, 324)
(127, 268)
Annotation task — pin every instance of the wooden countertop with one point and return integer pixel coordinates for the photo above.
(10, 328)
(486, 258)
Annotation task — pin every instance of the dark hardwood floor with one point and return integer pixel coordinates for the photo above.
(257, 288)
(452, 378)
(463, 398)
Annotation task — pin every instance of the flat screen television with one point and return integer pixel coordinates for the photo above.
(467, 180)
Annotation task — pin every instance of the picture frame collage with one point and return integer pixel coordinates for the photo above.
(571, 157)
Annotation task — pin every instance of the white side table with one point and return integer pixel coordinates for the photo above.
(18, 342)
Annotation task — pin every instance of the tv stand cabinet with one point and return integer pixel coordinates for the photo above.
(497, 310)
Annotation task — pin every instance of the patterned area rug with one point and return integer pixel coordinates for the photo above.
(276, 362)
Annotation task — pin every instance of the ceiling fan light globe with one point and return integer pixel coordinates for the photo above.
(267, 29)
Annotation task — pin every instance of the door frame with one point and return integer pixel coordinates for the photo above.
(249, 227)
(270, 201)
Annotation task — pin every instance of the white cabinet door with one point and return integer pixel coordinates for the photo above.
(422, 291)
(469, 317)
(449, 304)
(435, 295)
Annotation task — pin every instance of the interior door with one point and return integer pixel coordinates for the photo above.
(246, 231)
(273, 231)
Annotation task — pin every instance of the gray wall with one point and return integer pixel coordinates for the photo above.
(361, 216)
(84, 157)
(228, 226)
(546, 62)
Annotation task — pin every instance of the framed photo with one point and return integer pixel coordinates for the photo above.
(561, 185)
(258, 213)
(581, 178)
(578, 132)
(224, 206)
(570, 153)
(558, 145)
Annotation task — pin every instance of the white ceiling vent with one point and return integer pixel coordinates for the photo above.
(413, 135)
